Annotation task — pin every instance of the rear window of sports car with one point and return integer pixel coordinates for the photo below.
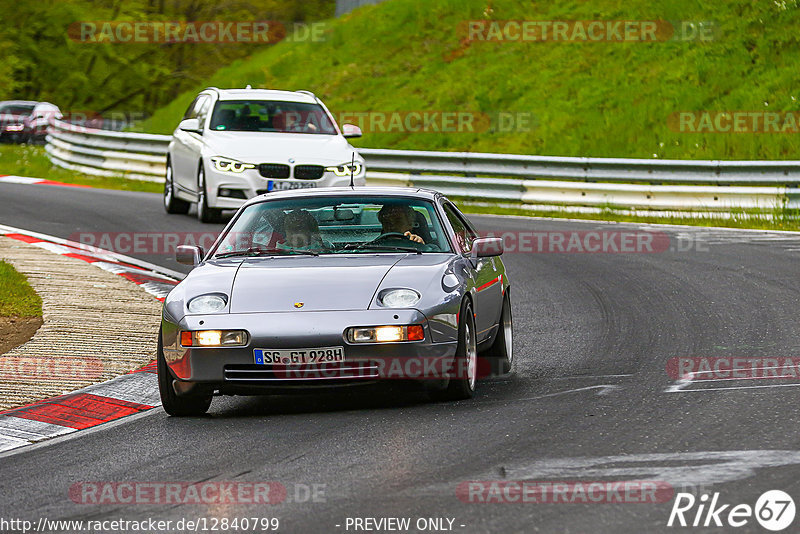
(336, 225)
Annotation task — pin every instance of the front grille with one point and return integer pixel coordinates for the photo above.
(309, 172)
(274, 170)
(293, 373)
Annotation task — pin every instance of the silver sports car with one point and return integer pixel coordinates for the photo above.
(333, 287)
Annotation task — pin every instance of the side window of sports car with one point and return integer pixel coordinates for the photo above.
(464, 236)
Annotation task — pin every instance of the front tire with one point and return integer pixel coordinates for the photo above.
(173, 204)
(204, 213)
(174, 404)
(462, 385)
(502, 350)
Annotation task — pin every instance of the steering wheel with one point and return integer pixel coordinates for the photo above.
(382, 237)
(387, 235)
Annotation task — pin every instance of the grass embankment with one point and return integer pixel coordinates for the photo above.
(20, 308)
(786, 220)
(601, 99)
(32, 161)
(17, 298)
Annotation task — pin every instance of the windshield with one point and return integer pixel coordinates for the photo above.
(16, 109)
(335, 225)
(270, 116)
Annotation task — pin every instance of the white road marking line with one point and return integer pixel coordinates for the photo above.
(680, 385)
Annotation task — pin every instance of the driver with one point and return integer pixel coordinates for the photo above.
(396, 218)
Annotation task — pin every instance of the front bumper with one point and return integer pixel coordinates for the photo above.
(250, 183)
(231, 368)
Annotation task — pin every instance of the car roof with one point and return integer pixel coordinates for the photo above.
(19, 102)
(265, 94)
(426, 194)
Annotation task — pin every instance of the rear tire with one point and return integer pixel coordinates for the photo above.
(174, 404)
(204, 213)
(462, 385)
(173, 204)
(502, 350)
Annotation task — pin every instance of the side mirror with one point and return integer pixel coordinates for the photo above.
(190, 125)
(487, 247)
(188, 255)
(350, 131)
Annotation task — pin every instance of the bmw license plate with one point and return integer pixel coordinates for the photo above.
(286, 186)
(298, 356)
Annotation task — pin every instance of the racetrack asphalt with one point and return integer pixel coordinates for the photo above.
(591, 398)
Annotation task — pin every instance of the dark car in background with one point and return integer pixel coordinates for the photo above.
(25, 121)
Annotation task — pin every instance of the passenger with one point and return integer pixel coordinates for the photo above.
(396, 218)
(302, 231)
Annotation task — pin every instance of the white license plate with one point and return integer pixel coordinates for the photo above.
(298, 356)
(286, 186)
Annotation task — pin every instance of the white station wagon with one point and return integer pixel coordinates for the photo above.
(233, 145)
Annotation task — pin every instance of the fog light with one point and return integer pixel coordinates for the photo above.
(388, 333)
(214, 338)
(385, 334)
(209, 338)
(232, 193)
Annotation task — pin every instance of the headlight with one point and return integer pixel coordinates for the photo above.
(214, 338)
(385, 334)
(398, 298)
(207, 304)
(230, 165)
(346, 169)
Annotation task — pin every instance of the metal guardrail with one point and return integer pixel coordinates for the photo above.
(540, 180)
(108, 153)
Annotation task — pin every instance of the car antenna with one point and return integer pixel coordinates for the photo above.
(353, 171)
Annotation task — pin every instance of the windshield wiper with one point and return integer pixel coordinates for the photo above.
(254, 252)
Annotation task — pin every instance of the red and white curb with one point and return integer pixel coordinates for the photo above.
(100, 403)
(11, 179)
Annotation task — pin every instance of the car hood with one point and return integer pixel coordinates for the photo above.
(256, 148)
(324, 283)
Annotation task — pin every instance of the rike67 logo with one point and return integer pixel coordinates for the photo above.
(774, 510)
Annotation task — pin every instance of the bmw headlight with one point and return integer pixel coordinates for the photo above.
(230, 165)
(346, 169)
(398, 298)
(207, 304)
